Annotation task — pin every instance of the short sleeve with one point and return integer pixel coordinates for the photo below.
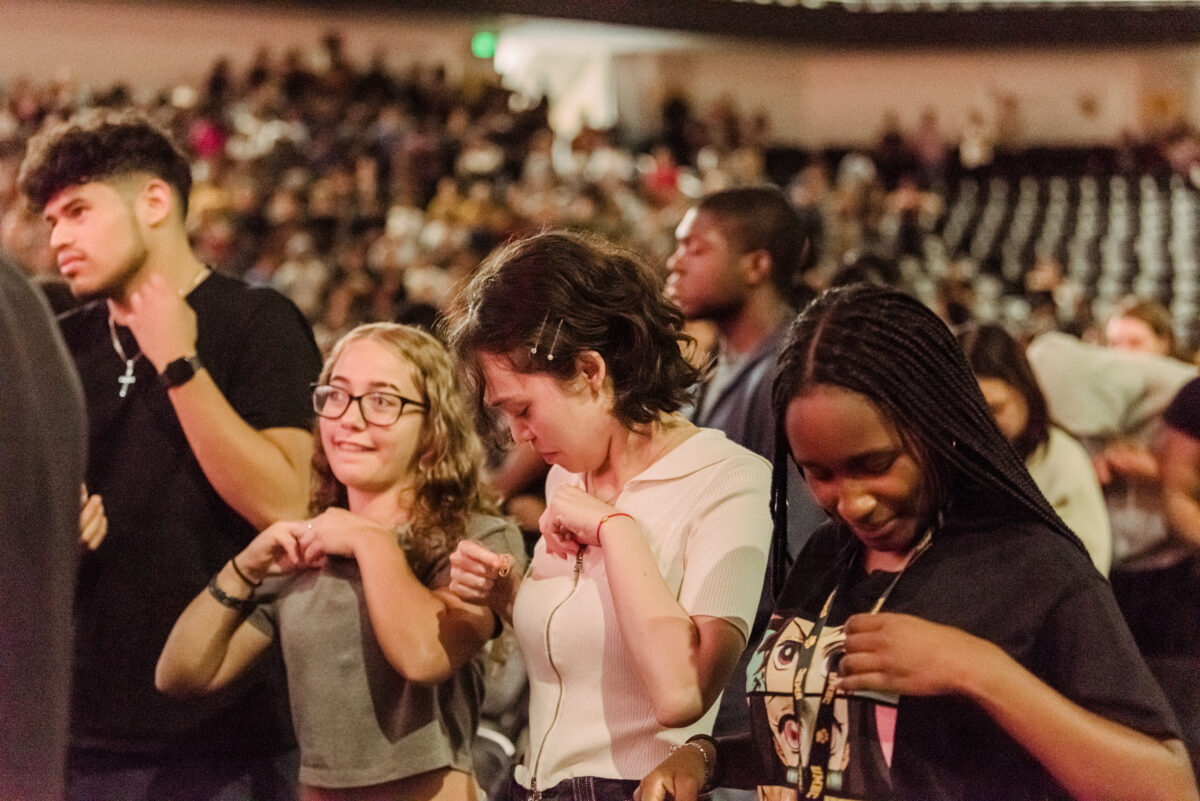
(497, 534)
(1106, 675)
(725, 558)
(1096, 391)
(265, 614)
(1183, 413)
(260, 351)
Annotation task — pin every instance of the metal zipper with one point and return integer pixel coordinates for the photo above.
(535, 793)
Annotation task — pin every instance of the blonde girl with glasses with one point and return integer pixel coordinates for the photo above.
(384, 664)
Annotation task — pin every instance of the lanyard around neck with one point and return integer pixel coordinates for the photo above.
(815, 777)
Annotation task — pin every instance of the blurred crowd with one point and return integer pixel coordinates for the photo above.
(365, 193)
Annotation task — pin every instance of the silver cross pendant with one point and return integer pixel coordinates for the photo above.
(126, 380)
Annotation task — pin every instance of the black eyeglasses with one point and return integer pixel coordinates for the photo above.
(377, 408)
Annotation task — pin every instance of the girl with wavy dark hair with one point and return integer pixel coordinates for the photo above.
(1059, 465)
(383, 662)
(645, 580)
(945, 636)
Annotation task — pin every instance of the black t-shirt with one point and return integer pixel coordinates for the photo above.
(169, 530)
(1183, 413)
(1019, 585)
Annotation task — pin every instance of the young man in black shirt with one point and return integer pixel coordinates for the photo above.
(196, 387)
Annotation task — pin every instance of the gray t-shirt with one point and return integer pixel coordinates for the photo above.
(358, 721)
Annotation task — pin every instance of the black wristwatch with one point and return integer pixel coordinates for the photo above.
(180, 371)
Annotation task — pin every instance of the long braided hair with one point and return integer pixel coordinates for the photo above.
(890, 348)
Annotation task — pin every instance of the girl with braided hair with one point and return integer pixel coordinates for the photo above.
(945, 636)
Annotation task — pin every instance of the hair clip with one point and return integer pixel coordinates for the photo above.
(554, 342)
(538, 336)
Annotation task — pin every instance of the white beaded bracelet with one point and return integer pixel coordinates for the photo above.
(708, 765)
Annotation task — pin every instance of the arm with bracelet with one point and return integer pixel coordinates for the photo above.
(700, 764)
(212, 642)
(682, 659)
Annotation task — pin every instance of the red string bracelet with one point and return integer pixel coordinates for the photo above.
(608, 517)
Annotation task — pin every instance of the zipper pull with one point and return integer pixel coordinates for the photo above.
(579, 562)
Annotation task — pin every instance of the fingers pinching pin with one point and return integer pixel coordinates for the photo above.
(506, 565)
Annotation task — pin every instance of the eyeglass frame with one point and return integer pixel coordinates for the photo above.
(405, 402)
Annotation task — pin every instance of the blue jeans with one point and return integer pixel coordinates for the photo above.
(102, 776)
(581, 788)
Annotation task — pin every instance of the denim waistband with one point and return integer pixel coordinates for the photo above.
(580, 788)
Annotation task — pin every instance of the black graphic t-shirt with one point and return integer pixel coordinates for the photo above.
(1019, 585)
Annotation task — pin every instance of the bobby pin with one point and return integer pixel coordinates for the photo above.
(538, 337)
(554, 342)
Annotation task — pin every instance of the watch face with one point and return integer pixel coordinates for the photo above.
(180, 371)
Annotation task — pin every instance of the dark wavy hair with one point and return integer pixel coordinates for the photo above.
(761, 218)
(449, 480)
(890, 348)
(993, 353)
(542, 301)
(99, 144)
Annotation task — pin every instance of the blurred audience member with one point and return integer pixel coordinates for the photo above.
(1058, 463)
(736, 264)
(1113, 401)
(1179, 458)
(43, 446)
(1141, 325)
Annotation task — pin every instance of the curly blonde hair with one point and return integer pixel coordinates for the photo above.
(450, 485)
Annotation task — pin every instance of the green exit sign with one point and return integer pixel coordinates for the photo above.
(483, 44)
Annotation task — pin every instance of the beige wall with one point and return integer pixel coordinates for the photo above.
(149, 44)
(813, 98)
(839, 98)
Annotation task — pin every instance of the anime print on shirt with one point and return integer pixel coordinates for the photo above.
(784, 696)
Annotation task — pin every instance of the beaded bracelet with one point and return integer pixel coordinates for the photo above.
(694, 742)
(225, 599)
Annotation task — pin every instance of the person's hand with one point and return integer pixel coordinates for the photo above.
(274, 552)
(525, 510)
(679, 777)
(338, 532)
(895, 653)
(1131, 460)
(571, 519)
(474, 571)
(93, 522)
(162, 322)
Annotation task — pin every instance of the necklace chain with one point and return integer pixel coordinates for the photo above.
(195, 282)
(128, 379)
(116, 342)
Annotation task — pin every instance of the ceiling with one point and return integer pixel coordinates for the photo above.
(858, 23)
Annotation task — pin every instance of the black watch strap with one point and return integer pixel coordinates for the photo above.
(180, 371)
